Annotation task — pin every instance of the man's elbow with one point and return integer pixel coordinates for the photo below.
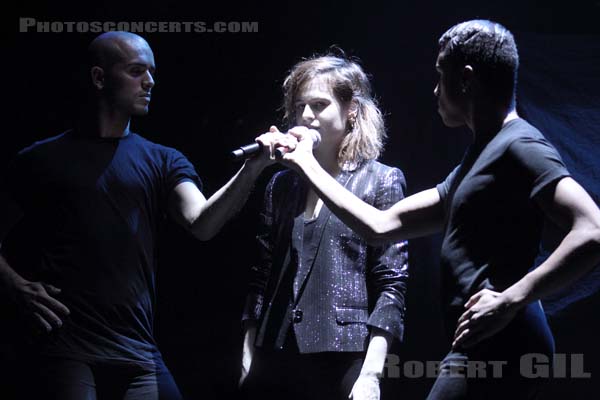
(202, 233)
(589, 239)
(379, 229)
(594, 237)
(204, 229)
(203, 237)
(193, 220)
(376, 234)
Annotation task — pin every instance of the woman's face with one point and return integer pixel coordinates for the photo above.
(317, 108)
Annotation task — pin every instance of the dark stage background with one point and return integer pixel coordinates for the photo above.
(218, 90)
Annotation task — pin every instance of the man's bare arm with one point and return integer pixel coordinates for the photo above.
(34, 299)
(415, 216)
(572, 208)
(205, 218)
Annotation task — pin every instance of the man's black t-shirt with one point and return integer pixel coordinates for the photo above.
(493, 226)
(96, 204)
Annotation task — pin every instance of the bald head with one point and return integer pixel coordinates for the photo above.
(111, 48)
(122, 72)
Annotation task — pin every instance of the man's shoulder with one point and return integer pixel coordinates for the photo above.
(524, 137)
(516, 134)
(142, 141)
(157, 149)
(45, 145)
(520, 129)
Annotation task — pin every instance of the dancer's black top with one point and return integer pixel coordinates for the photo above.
(96, 205)
(493, 226)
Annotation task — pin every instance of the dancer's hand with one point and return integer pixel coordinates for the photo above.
(301, 154)
(366, 387)
(487, 313)
(270, 141)
(36, 300)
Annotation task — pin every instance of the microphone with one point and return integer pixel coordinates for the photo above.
(244, 152)
(249, 150)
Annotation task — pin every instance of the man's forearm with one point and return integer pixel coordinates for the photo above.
(569, 206)
(226, 202)
(418, 215)
(487, 312)
(576, 255)
(363, 218)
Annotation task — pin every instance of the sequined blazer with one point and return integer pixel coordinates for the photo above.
(348, 287)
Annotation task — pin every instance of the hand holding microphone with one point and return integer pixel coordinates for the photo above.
(279, 143)
(299, 134)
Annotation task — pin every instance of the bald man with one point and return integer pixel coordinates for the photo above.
(94, 196)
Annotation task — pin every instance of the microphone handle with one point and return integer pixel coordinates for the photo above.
(279, 153)
(244, 151)
(250, 149)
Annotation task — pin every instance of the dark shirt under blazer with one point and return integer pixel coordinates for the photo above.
(349, 285)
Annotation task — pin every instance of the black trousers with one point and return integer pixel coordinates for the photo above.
(287, 374)
(56, 378)
(497, 368)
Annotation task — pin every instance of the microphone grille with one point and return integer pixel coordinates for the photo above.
(316, 137)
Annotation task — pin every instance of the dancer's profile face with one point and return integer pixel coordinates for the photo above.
(451, 100)
(129, 81)
(318, 108)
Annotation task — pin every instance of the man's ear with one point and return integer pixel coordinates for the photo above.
(467, 78)
(97, 75)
